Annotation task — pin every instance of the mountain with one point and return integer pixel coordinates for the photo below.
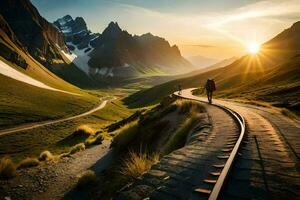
(39, 37)
(201, 61)
(75, 31)
(124, 55)
(34, 44)
(272, 75)
(220, 64)
(117, 55)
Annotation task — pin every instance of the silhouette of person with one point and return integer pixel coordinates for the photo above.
(179, 89)
(210, 87)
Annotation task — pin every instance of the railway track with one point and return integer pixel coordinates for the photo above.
(214, 194)
(200, 169)
(228, 161)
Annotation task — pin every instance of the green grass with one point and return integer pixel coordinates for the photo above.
(32, 142)
(124, 135)
(22, 103)
(153, 126)
(140, 142)
(178, 139)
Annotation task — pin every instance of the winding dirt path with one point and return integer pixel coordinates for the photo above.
(26, 127)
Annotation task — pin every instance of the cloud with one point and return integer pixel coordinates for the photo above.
(263, 9)
(229, 29)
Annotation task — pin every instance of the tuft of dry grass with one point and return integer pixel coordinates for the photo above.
(7, 168)
(137, 164)
(124, 135)
(28, 162)
(87, 178)
(187, 106)
(86, 130)
(77, 148)
(46, 156)
(94, 140)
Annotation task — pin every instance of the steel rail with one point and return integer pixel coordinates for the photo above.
(217, 189)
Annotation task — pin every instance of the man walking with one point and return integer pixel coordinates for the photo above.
(210, 87)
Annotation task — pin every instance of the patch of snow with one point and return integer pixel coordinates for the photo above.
(70, 57)
(126, 65)
(82, 58)
(8, 71)
(102, 71)
(110, 73)
(62, 22)
(94, 39)
(66, 30)
(79, 32)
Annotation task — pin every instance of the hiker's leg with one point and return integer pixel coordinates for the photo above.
(211, 96)
(207, 93)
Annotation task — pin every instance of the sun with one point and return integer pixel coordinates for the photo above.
(253, 48)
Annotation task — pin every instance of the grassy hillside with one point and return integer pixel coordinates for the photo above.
(272, 75)
(32, 142)
(23, 103)
(280, 83)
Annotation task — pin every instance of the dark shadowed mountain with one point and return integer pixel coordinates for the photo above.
(35, 34)
(116, 54)
(27, 39)
(127, 55)
(75, 31)
(272, 75)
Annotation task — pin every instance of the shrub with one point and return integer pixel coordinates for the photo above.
(96, 140)
(124, 135)
(137, 164)
(77, 148)
(86, 130)
(28, 162)
(7, 168)
(46, 156)
(87, 178)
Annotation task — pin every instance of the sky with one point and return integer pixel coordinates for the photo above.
(211, 28)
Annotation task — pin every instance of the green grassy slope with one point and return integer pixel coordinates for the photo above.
(266, 85)
(23, 103)
(32, 142)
